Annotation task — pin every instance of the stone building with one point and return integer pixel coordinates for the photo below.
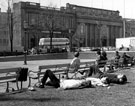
(39, 23)
(129, 26)
(84, 26)
(4, 32)
(96, 27)
(93, 27)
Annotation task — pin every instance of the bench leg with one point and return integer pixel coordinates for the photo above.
(7, 89)
(29, 82)
(105, 68)
(21, 84)
(59, 76)
(17, 85)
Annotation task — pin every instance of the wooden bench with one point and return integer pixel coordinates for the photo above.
(130, 62)
(107, 64)
(57, 69)
(120, 64)
(10, 75)
(110, 64)
(114, 64)
(84, 66)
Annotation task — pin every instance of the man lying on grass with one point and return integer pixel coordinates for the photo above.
(117, 78)
(71, 83)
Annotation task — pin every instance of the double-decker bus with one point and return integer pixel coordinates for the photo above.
(58, 45)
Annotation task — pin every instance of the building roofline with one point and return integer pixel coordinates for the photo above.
(92, 7)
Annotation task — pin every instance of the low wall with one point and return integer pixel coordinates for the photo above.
(35, 57)
(110, 54)
(83, 55)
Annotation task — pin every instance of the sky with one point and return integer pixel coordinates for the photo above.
(125, 7)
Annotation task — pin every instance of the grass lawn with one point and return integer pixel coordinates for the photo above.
(116, 95)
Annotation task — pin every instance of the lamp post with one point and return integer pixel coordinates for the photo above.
(25, 25)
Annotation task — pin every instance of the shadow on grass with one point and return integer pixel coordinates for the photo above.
(27, 96)
(41, 99)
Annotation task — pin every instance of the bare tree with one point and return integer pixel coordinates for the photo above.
(50, 21)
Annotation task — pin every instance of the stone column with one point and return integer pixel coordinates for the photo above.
(94, 36)
(88, 33)
(108, 36)
(86, 36)
(112, 36)
(91, 35)
(95, 30)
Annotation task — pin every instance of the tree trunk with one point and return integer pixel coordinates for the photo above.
(71, 43)
(11, 35)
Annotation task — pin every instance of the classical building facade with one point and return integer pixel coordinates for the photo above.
(96, 27)
(33, 22)
(4, 32)
(129, 26)
(84, 26)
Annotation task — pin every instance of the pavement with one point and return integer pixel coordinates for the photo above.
(31, 65)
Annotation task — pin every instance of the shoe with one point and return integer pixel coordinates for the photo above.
(31, 88)
(41, 86)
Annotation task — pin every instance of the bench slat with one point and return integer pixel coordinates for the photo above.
(7, 80)
(56, 71)
(8, 77)
(10, 70)
(52, 66)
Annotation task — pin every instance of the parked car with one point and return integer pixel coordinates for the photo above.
(84, 49)
(95, 49)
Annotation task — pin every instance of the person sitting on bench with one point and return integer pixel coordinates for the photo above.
(126, 59)
(117, 57)
(74, 66)
(75, 63)
(101, 58)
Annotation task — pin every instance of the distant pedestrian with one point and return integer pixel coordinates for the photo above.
(33, 51)
(117, 57)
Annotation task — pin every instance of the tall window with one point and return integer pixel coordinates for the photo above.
(33, 18)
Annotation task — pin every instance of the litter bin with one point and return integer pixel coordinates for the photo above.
(23, 75)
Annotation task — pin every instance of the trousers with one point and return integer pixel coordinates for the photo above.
(54, 81)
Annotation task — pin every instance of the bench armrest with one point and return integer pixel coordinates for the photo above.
(33, 71)
(33, 74)
(11, 74)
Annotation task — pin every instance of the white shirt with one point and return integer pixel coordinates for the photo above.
(70, 83)
(97, 81)
(76, 83)
(75, 64)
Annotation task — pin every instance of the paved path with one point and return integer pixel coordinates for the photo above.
(32, 65)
